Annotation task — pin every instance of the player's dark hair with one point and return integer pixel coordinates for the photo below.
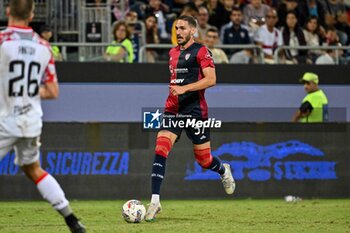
(189, 19)
(21, 9)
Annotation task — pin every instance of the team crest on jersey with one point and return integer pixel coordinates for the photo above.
(208, 55)
(171, 68)
(187, 56)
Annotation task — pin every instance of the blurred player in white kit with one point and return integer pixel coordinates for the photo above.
(27, 75)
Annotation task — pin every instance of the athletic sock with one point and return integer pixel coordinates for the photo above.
(52, 192)
(216, 166)
(158, 171)
(155, 198)
(66, 211)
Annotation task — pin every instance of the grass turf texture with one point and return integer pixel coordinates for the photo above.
(186, 216)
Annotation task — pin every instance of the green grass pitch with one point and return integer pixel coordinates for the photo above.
(320, 215)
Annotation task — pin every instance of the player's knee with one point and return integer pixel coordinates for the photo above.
(163, 146)
(203, 157)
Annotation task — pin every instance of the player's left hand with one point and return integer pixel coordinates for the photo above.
(177, 90)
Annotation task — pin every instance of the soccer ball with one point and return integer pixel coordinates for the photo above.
(133, 211)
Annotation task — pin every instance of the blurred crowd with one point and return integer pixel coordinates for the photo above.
(266, 23)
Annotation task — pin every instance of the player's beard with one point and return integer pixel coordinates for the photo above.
(187, 38)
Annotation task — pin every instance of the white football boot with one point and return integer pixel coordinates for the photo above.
(153, 210)
(227, 179)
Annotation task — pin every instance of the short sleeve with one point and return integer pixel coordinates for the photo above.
(205, 58)
(50, 71)
(306, 107)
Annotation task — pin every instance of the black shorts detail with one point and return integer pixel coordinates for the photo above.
(196, 135)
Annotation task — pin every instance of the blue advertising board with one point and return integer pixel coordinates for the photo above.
(113, 160)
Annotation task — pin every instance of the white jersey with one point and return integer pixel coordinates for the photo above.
(26, 62)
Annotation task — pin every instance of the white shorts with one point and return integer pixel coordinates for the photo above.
(26, 149)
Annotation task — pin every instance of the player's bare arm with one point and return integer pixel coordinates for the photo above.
(49, 90)
(209, 80)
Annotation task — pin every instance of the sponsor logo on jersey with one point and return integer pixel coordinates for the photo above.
(20, 110)
(177, 81)
(181, 70)
(208, 55)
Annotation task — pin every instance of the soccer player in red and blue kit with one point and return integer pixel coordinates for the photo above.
(192, 71)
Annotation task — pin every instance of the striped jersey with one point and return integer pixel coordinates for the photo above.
(186, 66)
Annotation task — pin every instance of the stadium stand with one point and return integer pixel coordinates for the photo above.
(83, 28)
